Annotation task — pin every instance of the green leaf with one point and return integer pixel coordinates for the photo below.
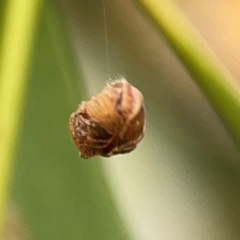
(19, 24)
(60, 195)
(211, 77)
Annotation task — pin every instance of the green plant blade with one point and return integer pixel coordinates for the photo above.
(214, 81)
(60, 195)
(18, 31)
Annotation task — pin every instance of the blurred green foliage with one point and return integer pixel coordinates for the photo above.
(182, 182)
(213, 80)
(63, 197)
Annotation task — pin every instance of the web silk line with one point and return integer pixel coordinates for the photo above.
(106, 37)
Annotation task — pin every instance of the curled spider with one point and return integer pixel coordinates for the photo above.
(112, 122)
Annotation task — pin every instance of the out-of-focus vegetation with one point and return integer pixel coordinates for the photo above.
(183, 180)
(211, 77)
(18, 30)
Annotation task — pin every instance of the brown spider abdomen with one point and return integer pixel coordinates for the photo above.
(111, 122)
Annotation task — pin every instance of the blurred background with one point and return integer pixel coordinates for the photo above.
(183, 180)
